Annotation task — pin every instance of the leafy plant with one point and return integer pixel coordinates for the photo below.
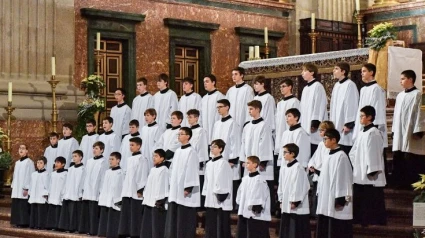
(420, 186)
(5, 160)
(380, 34)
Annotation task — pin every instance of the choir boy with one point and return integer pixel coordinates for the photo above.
(199, 142)
(190, 99)
(67, 144)
(88, 140)
(141, 102)
(313, 105)
(267, 101)
(184, 196)
(218, 193)
(293, 195)
(228, 130)
(135, 178)
(121, 113)
(297, 135)
(169, 141)
(56, 192)
(315, 164)
(150, 134)
(37, 191)
(209, 114)
(125, 144)
(110, 193)
(93, 179)
(51, 151)
(164, 101)
(254, 203)
(334, 191)
(109, 138)
(155, 198)
(368, 173)
(344, 105)
(24, 167)
(408, 132)
(240, 94)
(71, 204)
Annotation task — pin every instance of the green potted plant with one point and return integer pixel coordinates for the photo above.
(5, 161)
(419, 207)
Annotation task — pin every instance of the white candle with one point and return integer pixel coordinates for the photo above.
(257, 51)
(98, 41)
(357, 5)
(266, 35)
(53, 66)
(313, 21)
(9, 95)
(251, 52)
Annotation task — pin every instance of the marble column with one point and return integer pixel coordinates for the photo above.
(384, 3)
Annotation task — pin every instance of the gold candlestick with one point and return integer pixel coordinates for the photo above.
(53, 82)
(9, 109)
(98, 59)
(267, 50)
(359, 32)
(313, 35)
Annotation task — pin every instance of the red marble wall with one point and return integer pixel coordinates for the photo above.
(152, 36)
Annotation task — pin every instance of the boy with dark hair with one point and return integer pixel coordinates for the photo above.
(184, 196)
(254, 203)
(93, 180)
(190, 99)
(135, 178)
(71, 204)
(110, 193)
(268, 103)
(109, 138)
(155, 198)
(88, 140)
(313, 105)
(121, 113)
(368, 173)
(37, 191)
(56, 192)
(334, 191)
(125, 144)
(24, 167)
(169, 139)
(408, 132)
(141, 102)
(67, 144)
(344, 105)
(165, 102)
(51, 151)
(150, 135)
(240, 94)
(218, 193)
(209, 114)
(293, 195)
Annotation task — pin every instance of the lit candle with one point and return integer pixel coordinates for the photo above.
(98, 41)
(9, 95)
(313, 21)
(266, 35)
(251, 52)
(257, 52)
(53, 66)
(357, 5)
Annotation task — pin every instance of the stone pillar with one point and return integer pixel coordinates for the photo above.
(384, 3)
(336, 10)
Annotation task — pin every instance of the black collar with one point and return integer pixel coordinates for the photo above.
(41, 170)
(160, 164)
(335, 150)
(371, 83)
(91, 133)
(195, 126)
(188, 94)
(311, 82)
(120, 105)
(144, 94)
(78, 165)
(136, 153)
(164, 90)
(61, 170)
(217, 158)
(212, 92)
(23, 158)
(366, 128)
(288, 97)
(240, 85)
(262, 94)
(116, 168)
(67, 137)
(254, 174)
(223, 119)
(293, 128)
(175, 127)
(185, 146)
(54, 146)
(292, 163)
(109, 132)
(152, 124)
(135, 134)
(410, 89)
(98, 157)
(257, 121)
(343, 81)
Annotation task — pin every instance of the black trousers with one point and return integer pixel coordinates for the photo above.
(153, 222)
(70, 215)
(369, 205)
(20, 212)
(89, 219)
(329, 227)
(407, 167)
(130, 217)
(181, 221)
(251, 228)
(217, 223)
(38, 215)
